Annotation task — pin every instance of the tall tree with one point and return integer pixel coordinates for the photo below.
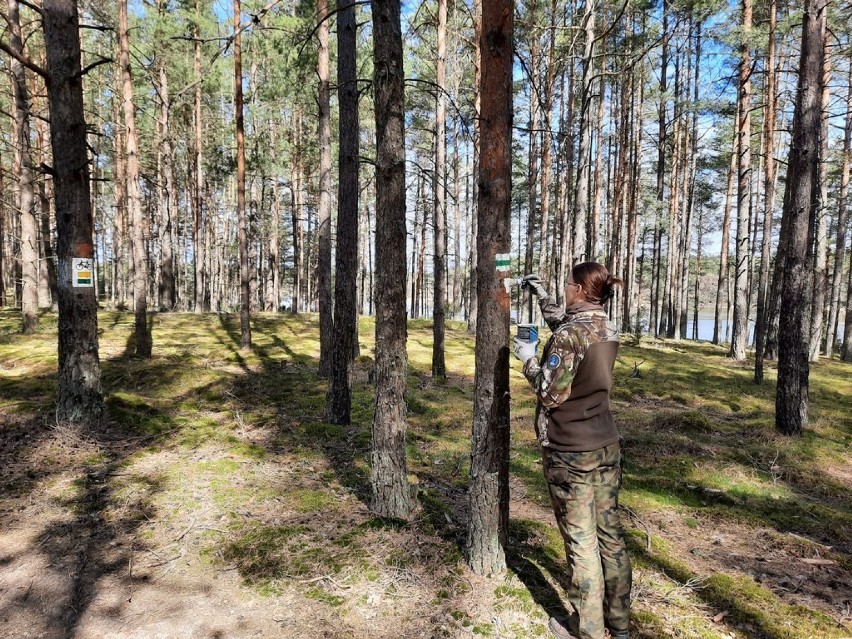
(800, 206)
(477, 137)
(23, 185)
(842, 223)
(820, 244)
(142, 335)
(198, 171)
(662, 111)
(390, 494)
(324, 208)
(581, 203)
(168, 203)
(439, 191)
(770, 104)
(242, 230)
(339, 401)
(739, 335)
(79, 398)
(488, 495)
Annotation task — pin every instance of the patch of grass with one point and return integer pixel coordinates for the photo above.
(323, 596)
(312, 501)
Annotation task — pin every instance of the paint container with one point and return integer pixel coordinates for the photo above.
(528, 333)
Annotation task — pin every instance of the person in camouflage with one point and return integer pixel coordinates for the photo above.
(580, 449)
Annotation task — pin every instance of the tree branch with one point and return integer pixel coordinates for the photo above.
(32, 66)
(90, 67)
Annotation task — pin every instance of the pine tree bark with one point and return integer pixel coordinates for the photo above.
(46, 200)
(345, 337)
(840, 251)
(545, 257)
(242, 229)
(142, 336)
(199, 274)
(477, 136)
(800, 204)
(390, 492)
(275, 223)
(739, 335)
(169, 203)
(532, 151)
(487, 529)
(439, 191)
(324, 207)
(770, 105)
(23, 186)
(662, 112)
(820, 245)
(296, 204)
(722, 283)
(79, 398)
(581, 203)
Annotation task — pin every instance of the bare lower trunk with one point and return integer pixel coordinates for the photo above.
(345, 338)
(739, 335)
(200, 274)
(79, 397)
(24, 184)
(324, 206)
(142, 335)
(762, 320)
(389, 477)
(842, 223)
(820, 283)
(800, 203)
(487, 531)
(439, 367)
(242, 233)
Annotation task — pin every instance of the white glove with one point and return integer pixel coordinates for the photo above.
(525, 350)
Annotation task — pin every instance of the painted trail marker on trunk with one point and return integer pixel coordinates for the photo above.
(81, 272)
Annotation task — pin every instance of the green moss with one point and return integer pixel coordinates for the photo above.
(323, 596)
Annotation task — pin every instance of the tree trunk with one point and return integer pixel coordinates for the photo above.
(439, 192)
(200, 276)
(345, 337)
(545, 258)
(23, 186)
(324, 207)
(390, 492)
(275, 223)
(771, 102)
(662, 111)
(134, 204)
(722, 285)
(739, 336)
(296, 203)
(800, 204)
(820, 246)
(168, 208)
(487, 530)
(566, 248)
(581, 203)
(595, 218)
(532, 161)
(242, 232)
(842, 224)
(477, 136)
(79, 397)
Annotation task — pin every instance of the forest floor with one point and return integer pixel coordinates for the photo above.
(214, 501)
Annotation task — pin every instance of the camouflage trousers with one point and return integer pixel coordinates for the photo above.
(584, 491)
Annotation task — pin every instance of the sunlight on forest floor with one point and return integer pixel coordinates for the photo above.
(215, 501)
